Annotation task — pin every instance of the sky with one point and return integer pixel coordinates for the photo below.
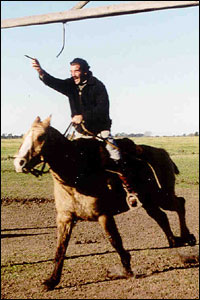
(149, 63)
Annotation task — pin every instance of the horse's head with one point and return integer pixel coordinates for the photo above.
(29, 154)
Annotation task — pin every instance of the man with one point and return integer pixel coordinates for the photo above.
(89, 103)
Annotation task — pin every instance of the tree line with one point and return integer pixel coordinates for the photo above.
(121, 134)
(11, 136)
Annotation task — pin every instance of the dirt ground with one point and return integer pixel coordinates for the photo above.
(28, 232)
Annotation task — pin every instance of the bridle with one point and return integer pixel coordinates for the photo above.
(28, 168)
(34, 161)
(39, 172)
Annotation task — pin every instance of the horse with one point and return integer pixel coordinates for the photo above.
(86, 187)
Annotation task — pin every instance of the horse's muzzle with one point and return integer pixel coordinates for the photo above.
(23, 166)
(19, 164)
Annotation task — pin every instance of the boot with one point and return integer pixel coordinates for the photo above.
(132, 197)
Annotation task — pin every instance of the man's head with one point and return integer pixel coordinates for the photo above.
(79, 69)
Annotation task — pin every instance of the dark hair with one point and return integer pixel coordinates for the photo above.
(83, 64)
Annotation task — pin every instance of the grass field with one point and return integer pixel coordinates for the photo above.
(183, 150)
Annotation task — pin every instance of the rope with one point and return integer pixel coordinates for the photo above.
(63, 46)
(154, 173)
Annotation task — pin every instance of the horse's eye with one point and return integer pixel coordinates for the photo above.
(41, 138)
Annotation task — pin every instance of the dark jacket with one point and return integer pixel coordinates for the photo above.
(93, 103)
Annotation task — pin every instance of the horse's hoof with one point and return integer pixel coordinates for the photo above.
(176, 242)
(118, 272)
(191, 240)
(49, 284)
(129, 274)
(181, 241)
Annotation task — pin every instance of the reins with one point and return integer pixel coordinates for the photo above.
(98, 137)
(67, 128)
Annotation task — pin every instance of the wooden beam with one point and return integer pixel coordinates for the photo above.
(99, 12)
(80, 4)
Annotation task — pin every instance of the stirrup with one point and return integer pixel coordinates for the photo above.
(132, 200)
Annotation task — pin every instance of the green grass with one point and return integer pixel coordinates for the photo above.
(183, 150)
(18, 185)
(174, 145)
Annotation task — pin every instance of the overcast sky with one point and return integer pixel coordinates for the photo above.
(149, 63)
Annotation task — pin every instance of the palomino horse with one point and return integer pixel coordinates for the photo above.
(84, 189)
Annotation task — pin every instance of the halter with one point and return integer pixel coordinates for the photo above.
(36, 172)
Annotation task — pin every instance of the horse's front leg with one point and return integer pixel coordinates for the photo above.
(64, 229)
(110, 228)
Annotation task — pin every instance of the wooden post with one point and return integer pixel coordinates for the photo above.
(88, 13)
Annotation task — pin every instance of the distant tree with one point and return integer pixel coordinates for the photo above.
(11, 136)
(147, 133)
(121, 134)
(196, 133)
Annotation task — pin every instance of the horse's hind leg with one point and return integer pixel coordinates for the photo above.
(110, 228)
(64, 229)
(186, 236)
(178, 204)
(161, 218)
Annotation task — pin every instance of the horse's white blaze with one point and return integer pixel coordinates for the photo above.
(26, 146)
(20, 160)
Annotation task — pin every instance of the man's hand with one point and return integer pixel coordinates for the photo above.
(77, 119)
(37, 67)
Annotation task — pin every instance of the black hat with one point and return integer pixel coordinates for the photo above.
(83, 64)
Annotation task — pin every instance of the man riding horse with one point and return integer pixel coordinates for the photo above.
(89, 103)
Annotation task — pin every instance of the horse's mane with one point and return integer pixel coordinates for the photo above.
(56, 136)
(84, 155)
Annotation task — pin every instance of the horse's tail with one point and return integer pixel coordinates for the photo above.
(176, 170)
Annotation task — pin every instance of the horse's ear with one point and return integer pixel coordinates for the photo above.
(47, 121)
(37, 120)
